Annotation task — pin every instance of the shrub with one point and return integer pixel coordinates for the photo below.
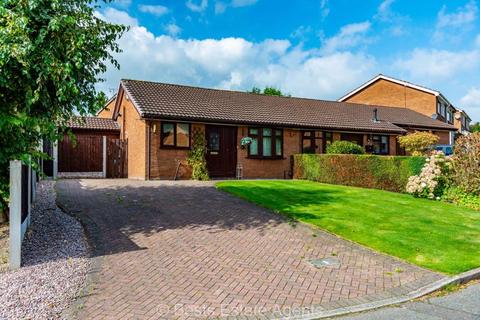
(369, 171)
(344, 147)
(196, 157)
(465, 173)
(418, 143)
(459, 196)
(432, 180)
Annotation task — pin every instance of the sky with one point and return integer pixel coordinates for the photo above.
(307, 48)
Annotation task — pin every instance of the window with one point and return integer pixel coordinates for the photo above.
(380, 144)
(175, 135)
(450, 115)
(266, 143)
(312, 140)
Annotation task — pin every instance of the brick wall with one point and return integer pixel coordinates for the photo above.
(107, 112)
(163, 162)
(134, 129)
(387, 93)
(260, 168)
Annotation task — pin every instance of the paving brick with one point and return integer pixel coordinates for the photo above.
(186, 250)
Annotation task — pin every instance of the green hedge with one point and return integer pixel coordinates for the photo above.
(368, 171)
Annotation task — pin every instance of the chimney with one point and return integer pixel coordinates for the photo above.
(375, 115)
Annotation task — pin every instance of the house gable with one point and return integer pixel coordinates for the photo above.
(393, 94)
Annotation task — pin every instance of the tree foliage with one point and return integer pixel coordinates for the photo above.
(52, 53)
(418, 143)
(344, 147)
(475, 127)
(268, 91)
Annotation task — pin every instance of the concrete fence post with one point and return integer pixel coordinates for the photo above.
(15, 214)
(55, 160)
(104, 164)
(30, 188)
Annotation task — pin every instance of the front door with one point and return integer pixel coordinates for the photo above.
(221, 150)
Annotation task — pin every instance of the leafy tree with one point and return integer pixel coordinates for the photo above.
(268, 91)
(475, 127)
(344, 147)
(52, 53)
(418, 143)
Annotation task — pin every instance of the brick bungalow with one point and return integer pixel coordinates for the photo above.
(159, 119)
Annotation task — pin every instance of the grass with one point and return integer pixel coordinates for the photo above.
(435, 235)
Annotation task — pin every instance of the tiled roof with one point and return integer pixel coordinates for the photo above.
(93, 123)
(168, 101)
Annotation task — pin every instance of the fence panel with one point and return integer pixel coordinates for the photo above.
(84, 156)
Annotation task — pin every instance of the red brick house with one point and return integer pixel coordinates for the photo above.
(387, 91)
(159, 120)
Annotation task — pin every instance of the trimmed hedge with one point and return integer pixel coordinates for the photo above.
(368, 171)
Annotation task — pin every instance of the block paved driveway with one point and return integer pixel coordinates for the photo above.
(186, 250)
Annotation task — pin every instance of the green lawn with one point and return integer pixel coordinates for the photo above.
(439, 236)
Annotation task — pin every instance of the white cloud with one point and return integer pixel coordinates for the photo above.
(236, 63)
(350, 35)
(462, 16)
(173, 29)
(197, 6)
(156, 10)
(431, 64)
(116, 16)
(242, 3)
(471, 99)
(471, 102)
(324, 9)
(384, 12)
(221, 7)
(122, 3)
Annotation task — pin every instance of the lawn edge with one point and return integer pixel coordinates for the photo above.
(314, 227)
(461, 278)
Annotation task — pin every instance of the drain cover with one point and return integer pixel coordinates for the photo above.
(325, 262)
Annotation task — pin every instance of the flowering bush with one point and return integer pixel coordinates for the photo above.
(465, 173)
(432, 180)
(418, 143)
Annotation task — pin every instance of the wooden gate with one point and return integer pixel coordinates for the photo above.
(117, 158)
(86, 155)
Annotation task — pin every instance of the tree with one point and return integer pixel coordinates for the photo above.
(466, 163)
(268, 91)
(418, 143)
(475, 127)
(52, 53)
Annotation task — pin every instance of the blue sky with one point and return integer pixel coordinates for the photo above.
(310, 48)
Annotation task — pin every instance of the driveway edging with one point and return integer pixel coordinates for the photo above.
(92, 235)
(425, 290)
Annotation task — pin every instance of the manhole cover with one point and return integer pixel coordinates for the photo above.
(325, 262)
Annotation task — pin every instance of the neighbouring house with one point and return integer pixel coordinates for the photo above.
(158, 120)
(388, 91)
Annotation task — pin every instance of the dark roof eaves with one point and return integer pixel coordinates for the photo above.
(277, 124)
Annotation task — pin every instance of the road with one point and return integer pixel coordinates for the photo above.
(459, 305)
